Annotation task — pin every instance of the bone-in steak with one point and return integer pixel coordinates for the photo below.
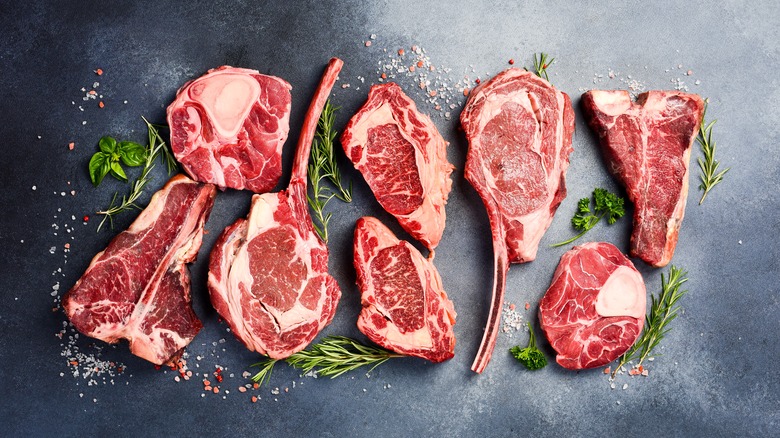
(647, 146)
(519, 129)
(228, 128)
(595, 307)
(404, 160)
(268, 274)
(405, 308)
(138, 288)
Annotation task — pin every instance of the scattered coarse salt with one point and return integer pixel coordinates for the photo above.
(625, 386)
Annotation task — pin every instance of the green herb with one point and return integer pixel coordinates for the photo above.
(605, 204)
(323, 166)
(106, 161)
(530, 356)
(156, 148)
(710, 176)
(334, 356)
(541, 63)
(663, 310)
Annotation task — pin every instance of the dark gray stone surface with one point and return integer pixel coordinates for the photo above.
(717, 375)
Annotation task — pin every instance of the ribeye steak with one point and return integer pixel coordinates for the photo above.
(138, 288)
(228, 128)
(403, 158)
(268, 274)
(647, 146)
(405, 308)
(595, 307)
(519, 129)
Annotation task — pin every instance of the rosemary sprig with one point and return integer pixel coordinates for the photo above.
(156, 148)
(541, 63)
(334, 356)
(663, 310)
(322, 166)
(710, 176)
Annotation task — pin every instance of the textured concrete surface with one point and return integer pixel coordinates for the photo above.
(716, 376)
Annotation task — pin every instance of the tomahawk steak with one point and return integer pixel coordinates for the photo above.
(405, 308)
(268, 274)
(404, 160)
(519, 129)
(228, 128)
(138, 288)
(647, 146)
(595, 307)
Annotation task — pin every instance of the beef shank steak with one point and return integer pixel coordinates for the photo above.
(595, 307)
(403, 158)
(647, 146)
(268, 274)
(519, 129)
(228, 128)
(138, 288)
(405, 308)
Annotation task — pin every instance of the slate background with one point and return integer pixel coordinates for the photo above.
(717, 376)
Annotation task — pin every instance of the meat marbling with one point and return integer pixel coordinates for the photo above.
(403, 158)
(138, 288)
(268, 274)
(647, 146)
(519, 129)
(228, 128)
(595, 307)
(405, 308)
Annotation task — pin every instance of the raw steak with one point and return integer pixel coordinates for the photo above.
(228, 128)
(405, 308)
(403, 159)
(594, 309)
(647, 146)
(519, 129)
(138, 288)
(268, 274)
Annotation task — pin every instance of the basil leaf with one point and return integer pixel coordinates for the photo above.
(118, 172)
(132, 153)
(107, 144)
(97, 168)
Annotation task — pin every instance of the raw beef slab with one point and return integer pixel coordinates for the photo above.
(228, 128)
(405, 308)
(138, 288)
(268, 274)
(595, 307)
(519, 129)
(647, 146)
(403, 158)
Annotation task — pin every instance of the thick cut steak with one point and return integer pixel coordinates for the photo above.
(405, 308)
(268, 274)
(228, 128)
(138, 288)
(403, 159)
(594, 309)
(519, 129)
(647, 146)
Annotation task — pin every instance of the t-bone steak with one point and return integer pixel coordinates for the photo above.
(404, 160)
(138, 288)
(268, 274)
(595, 307)
(519, 129)
(228, 128)
(405, 308)
(647, 146)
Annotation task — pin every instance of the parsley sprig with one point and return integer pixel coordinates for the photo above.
(663, 310)
(606, 204)
(334, 356)
(322, 166)
(710, 177)
(530, 356)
